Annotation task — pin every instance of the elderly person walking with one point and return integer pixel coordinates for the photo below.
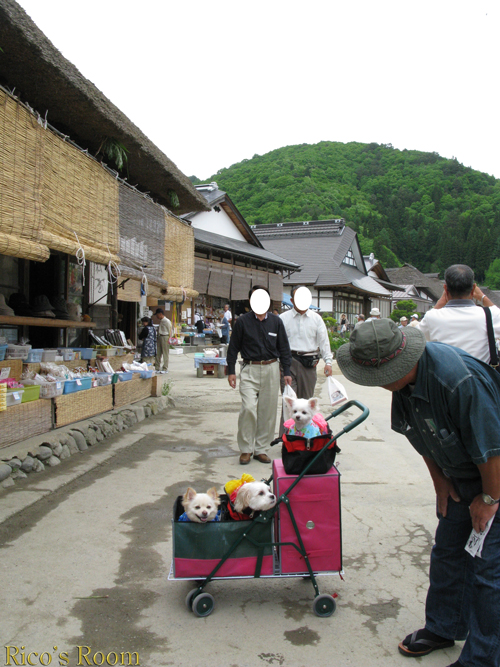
(162, 345)
(445, 402)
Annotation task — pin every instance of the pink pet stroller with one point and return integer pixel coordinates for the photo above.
(299, 537)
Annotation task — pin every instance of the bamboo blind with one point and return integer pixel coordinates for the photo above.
(220, 280)
(78, 195)
(21, 144)
(179, 258)
(201, 273)
(242, 281)
(131, 290)
(260, 278)
(276, 286)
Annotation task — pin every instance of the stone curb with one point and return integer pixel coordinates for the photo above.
(50, 449)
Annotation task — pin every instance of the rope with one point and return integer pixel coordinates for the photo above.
(144, 282)
(80, 257)
(114, 272)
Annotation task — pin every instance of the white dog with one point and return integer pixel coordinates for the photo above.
(253, 497)
(305, 420)
(200, 507)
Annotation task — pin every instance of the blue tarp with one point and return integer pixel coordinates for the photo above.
(286, 301)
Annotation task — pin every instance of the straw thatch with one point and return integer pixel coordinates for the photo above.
(48, 82)
(20, 162)
(179, 253)
(78, 195)
(129, 290)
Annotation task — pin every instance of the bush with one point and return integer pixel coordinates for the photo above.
(336, 340)
(330, 322)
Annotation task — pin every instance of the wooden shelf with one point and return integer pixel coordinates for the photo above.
(46, 322)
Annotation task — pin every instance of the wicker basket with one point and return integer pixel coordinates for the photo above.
(130, 392)
(24, 421)
(78, 363)
(71, 408)
(16, 367)
(116, 362)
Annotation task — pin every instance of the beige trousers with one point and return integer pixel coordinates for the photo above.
(162, 349)
(259, 390)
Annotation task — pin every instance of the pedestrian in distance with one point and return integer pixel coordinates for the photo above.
(148, 337)
(446, 402)
(414, 320)
(361, 320)
(162, 345)
(260, 338)
(374, 314)
(227, 318)
(403, 322)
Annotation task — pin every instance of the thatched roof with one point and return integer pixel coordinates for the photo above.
(409, 275)
(46, 81)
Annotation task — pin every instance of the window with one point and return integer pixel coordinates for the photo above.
(349, 258)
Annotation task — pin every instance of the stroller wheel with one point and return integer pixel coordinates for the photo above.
(190, 598)
(203, 604)
(324, 605)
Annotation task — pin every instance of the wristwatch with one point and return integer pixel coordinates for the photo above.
(488, 500)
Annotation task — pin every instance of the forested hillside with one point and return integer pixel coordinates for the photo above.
(407, 206)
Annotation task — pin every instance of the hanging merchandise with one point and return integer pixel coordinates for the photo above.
(173, 340)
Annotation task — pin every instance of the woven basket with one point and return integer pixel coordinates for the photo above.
(24, 421)
(71, 408)
(116, 362)
(130, 392)
(16, 367)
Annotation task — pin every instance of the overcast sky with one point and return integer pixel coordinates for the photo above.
(213, 83)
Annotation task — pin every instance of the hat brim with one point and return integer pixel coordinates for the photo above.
(391, 371)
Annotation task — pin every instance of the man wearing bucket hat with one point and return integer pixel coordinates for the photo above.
(446, 403)
(374, 314)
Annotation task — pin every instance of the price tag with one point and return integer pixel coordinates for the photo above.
(4, 373)
(79, 383)
(58, 385)
(16, 395)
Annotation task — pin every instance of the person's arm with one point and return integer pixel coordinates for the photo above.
(143, 334)
(443, 300)
(324, 347)
(480, 512)
(482, 298)
(442, 484)
(284, 351)
(232, 352)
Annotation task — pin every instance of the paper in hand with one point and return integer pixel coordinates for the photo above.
(475, 542)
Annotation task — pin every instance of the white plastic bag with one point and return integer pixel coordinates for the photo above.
(336, 391)
(287, 392)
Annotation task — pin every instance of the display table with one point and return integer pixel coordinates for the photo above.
(208, 364)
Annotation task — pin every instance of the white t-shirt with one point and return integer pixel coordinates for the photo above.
(462, 324)
(227, 316)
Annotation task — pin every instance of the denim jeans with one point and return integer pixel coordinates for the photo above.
(463, 601)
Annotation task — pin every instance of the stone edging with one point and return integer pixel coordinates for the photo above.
(55, 446)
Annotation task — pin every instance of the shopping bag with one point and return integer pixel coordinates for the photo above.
(287, 392)
(336, 391)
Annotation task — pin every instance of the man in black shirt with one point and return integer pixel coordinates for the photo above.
(261, 340)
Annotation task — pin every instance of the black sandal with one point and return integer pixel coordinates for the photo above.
(422, 642)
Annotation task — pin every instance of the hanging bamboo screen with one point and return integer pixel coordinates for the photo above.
(201, 273)
(129, 290)
(220, 281)
(20, 182)
(142, 232)
(179, 259)
(242, 281)
(276, 286)
(78, 195)
(260, 278)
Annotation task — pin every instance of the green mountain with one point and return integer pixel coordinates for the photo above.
(407, 206)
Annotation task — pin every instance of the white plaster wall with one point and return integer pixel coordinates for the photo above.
(217, 223)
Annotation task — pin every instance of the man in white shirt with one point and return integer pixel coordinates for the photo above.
(309, 342)
(456, 319)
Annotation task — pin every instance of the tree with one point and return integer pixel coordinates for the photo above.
(493, 275)
(406, 308)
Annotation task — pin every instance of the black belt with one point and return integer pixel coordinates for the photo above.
(259, 363)
(301, 354)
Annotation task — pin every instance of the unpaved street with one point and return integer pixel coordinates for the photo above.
(86, 562)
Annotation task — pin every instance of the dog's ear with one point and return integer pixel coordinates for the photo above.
(241, 501)
(289, 401)
(313, 403)
(214, 495)
(189, 495)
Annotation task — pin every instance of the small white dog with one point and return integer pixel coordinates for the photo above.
(200, 507)
(254, 497)
(302, 410)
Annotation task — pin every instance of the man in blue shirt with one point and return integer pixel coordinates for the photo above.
(447, 403)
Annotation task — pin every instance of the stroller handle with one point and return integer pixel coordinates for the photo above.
(365, 412)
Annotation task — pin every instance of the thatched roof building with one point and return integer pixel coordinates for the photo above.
(48, 82)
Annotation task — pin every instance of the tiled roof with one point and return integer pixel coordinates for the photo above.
(409, 275)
